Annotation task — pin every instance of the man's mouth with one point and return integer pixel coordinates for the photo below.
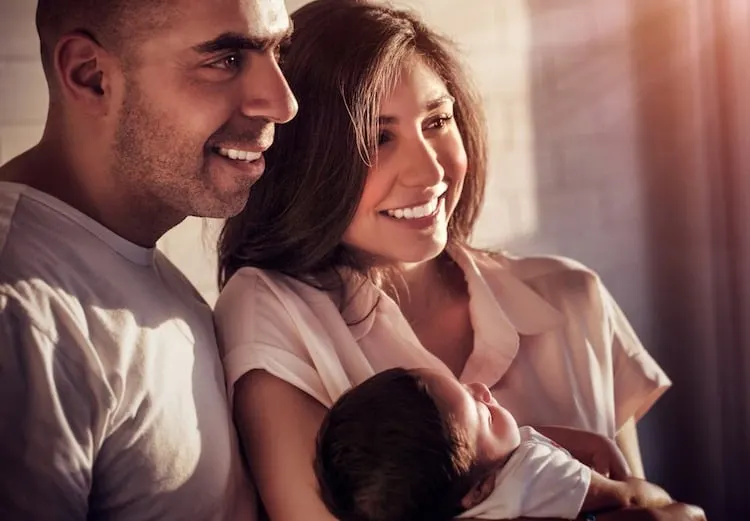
(238, 155)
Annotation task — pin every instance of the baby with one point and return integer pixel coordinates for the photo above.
(409, 445)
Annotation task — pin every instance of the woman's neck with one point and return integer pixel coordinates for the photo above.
(421, 288)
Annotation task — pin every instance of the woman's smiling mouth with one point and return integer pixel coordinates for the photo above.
(427, 209)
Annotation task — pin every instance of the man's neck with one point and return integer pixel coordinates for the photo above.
(47, 169)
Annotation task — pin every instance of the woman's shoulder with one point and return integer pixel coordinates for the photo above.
(555, 278)
(254, 287)
(250, 279)
(532, 267)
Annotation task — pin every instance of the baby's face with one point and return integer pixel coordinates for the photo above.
(490, 428)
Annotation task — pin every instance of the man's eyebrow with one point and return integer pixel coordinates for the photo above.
(430, 105)
(230, 41)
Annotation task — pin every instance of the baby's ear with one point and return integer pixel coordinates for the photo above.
(479, 492)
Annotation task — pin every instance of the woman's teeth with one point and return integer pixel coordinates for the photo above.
(414, 212)
(239, 155)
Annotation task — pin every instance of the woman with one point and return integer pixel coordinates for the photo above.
(351, 257)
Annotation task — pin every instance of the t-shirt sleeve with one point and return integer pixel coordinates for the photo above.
(256, 331)
(548, 481)
(52, 411)
(539, 480)
(638, 380)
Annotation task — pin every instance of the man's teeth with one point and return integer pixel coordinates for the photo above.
(415, 212)
(239, 155)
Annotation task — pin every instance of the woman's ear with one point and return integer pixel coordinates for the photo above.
(479, 492)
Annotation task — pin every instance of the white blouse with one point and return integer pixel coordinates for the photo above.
(549, 340)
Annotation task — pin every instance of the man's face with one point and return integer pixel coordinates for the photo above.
(202, 96)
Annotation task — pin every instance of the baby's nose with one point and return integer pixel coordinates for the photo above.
(481, 392)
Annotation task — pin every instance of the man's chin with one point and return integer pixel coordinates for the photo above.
(223, 208)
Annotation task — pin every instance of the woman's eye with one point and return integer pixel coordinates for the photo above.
(383, 138)
(440, 121)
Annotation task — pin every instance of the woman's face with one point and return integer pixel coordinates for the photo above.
(413, 188)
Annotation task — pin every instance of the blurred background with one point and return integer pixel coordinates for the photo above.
(620, 136)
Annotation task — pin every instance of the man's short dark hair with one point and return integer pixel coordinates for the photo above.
(385, 453)
(116, 21)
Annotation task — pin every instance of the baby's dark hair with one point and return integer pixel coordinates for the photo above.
(385, 453)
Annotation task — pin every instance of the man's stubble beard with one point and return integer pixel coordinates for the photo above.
(163, 171)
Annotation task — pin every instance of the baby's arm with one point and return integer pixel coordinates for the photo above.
(609, 494)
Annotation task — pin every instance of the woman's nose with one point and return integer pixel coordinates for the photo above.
(424, 167)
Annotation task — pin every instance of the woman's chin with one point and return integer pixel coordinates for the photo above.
(418, 255)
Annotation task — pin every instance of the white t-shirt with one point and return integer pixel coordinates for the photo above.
(112, 397)
(549, 340)
(540, 479)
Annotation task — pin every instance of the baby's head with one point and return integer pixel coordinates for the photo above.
(410, 445)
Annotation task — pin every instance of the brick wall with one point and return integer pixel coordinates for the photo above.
(23, 92)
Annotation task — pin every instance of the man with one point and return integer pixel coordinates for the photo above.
(112, 400)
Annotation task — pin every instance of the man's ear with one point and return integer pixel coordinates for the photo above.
(479, 492)
(83, 70)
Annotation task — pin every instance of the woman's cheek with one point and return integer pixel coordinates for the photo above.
(455, 167)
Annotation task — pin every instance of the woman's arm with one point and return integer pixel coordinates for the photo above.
(627, 441)
(592, 449)
(608, 494)
(673, 512)
(278, 424)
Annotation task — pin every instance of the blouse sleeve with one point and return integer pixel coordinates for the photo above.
(638, 379)
(256, 331)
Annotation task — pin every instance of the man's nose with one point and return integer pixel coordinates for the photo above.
(266, 93)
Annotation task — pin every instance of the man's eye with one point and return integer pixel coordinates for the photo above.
(279, 52)
(231, 62)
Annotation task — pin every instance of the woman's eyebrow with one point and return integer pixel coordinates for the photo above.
(426, 107)
(436, 102)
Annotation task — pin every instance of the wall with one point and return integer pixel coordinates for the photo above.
(595, 111)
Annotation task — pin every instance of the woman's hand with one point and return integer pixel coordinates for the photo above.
(673, 512)
(592, 449)
(647, 494)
